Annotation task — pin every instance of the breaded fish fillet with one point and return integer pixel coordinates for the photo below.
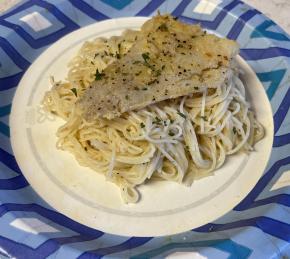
(169, 59)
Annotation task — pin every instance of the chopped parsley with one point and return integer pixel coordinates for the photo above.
(170, 133)
(144, 88)
(163, 27)
(158, 72)
(181, 114)
(145, 56)
(142, 125)
(235, 130)
(74, 90)
(204, 118)
(157, 121)
(98, 75)
(127, 97)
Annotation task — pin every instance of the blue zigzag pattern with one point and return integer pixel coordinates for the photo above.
(262, 31)
(212, 25)
(18, 250)
(240, 23)
(4, 111)
(275, 77)
(235, 250)
(118, 4)
(129, 244)
(275, 228)
(16, 182)
(270, 226)
(38, 43)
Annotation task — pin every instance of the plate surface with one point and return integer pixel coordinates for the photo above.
(258, 227)
(166, 208)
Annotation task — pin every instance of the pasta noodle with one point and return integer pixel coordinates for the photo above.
(180, 140)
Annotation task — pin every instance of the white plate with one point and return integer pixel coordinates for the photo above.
(165, 208)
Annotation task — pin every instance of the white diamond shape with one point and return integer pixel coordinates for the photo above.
(206, 6)
(283, 181)
(36, 21)
(32, 225)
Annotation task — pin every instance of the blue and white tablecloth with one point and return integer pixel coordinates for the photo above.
(257, 228)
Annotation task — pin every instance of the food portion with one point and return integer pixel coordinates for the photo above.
(168, 59)
(165, 102)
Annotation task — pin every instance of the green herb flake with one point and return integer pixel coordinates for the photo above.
(158, 72)
(163, 27)
(144, 88)
(74, 90)
(98, 75)
(181, 114)
(235, 130)
(171, 121)
(127, 97)
(142, 125)
(118, 54)
(163, 66)
(145, 56)
(171, 134)
(204, 118)
(157, 120)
